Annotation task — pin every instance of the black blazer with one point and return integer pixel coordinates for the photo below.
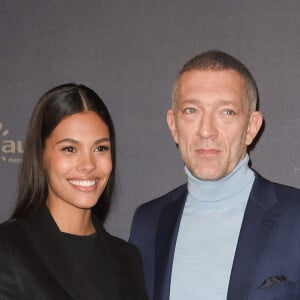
(34, 264)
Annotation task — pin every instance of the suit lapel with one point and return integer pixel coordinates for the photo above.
(168, 226)
(260, 217)
(45, 237)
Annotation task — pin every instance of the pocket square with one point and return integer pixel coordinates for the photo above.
(274, 280)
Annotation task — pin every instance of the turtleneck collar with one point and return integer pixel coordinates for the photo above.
(218, 192)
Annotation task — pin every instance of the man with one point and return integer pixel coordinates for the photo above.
(228, 233)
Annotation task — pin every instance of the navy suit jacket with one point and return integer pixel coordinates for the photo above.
(267, 259)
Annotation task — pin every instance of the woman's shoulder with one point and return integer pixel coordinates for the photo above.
(115, 244)
(120, 246)
(10, 230)
(117, 241)
(11, 237)
(9, 226)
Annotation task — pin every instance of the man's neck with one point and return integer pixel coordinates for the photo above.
(217, 191)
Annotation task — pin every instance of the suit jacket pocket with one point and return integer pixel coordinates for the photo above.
(285, 291)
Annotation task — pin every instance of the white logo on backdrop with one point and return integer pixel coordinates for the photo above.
(11, 150)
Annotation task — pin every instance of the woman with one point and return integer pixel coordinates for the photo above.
(54, 246)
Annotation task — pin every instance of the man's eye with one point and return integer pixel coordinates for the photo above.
(69, 149)
(189, 110)
(229, 112)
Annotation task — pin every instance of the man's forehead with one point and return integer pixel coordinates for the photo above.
(228, 80)
(205, 73)
(224, 82)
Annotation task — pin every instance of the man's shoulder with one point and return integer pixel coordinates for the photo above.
(285, 194)
(278, 186)
(147, 216)
(148, 213)
(162, 201)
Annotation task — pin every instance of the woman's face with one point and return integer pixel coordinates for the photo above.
(77, 161)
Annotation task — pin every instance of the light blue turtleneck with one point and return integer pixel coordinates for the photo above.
(208, 234)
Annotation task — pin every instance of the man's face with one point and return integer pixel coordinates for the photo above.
(211, 122)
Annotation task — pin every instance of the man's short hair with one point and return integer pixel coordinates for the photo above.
(215, 60)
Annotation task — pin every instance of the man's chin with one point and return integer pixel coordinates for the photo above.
(208, 175)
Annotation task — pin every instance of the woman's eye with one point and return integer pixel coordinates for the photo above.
(189, 110)
(69, 149)
(102, 148)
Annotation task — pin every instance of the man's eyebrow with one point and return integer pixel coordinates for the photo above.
(192, 101)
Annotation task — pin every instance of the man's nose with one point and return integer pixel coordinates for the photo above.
(207, 126)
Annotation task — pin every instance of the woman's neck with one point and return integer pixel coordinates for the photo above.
(71, 219)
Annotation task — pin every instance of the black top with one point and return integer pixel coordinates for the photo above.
(89, 253)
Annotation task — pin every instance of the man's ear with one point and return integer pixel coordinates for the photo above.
(172, 125)
(254, 125)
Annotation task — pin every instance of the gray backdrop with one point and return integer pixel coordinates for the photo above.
(129, 53)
